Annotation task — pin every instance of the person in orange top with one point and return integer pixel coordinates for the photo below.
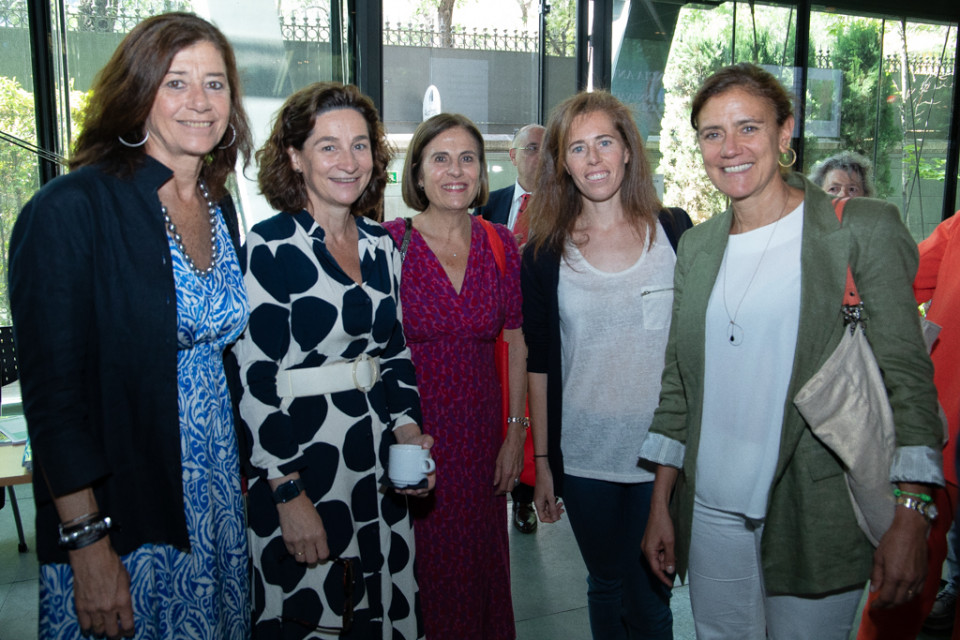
(937, 281)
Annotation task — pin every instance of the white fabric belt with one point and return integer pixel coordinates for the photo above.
(361, 373)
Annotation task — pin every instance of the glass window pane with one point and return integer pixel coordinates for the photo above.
(16, 71)
(19, 170)
(281, 46)
(560, 63)
(704, 38)
(479, 59)
(19, 177)
(883, 88)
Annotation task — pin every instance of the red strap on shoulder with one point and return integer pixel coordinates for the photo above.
(499, 254)
(850, 295)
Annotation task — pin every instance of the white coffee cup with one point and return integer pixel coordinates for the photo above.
(409, 464)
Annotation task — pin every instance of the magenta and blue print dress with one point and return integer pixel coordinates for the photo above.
(204, 593)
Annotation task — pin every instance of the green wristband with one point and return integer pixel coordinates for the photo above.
(923, 497)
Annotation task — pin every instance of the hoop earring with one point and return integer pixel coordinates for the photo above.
(232, 140)
(792, 160)
(134, 146)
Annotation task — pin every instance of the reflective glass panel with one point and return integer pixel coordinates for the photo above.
(19, 172)
(280, 45)
(479, 59)
(882, 88)
(663, 51)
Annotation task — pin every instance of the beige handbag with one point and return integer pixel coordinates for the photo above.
(846, 405)
(847, 408)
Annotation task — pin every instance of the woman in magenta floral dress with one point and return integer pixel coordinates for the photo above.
(455, 303)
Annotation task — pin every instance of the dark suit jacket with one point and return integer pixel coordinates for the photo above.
(498, 204)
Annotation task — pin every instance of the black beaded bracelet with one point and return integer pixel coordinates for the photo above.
(85, 533)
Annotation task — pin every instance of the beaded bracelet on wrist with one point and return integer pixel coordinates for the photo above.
(924, 497)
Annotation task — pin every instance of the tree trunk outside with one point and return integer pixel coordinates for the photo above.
(445, 20)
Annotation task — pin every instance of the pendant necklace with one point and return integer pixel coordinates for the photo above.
(172, 228)
(734, 330)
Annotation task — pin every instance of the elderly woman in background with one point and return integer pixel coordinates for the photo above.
(125, 290)
(456, 300)
(764, 523)
(327, 380)
(845, 175)
(597, 291)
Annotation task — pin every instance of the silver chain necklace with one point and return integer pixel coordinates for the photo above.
(734, 330)
(172, 228)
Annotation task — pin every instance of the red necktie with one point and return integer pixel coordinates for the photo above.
(520, 228)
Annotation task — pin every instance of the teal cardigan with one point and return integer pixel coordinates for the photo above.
(811, 541)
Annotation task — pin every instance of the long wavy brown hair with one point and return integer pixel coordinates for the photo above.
(557, 203)
(124, 91)
(283, 187)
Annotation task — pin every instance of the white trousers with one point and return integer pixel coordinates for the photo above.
(727, 594)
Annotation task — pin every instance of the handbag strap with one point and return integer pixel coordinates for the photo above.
(851, 297)
(496, 243)
(407, 232)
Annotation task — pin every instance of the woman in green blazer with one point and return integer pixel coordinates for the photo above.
(762, 519)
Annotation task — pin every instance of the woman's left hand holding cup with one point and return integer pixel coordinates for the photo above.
(411, 434)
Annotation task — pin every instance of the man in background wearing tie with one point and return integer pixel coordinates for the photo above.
(506, 206)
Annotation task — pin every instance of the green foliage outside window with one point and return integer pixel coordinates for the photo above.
(885, 114)
(19, 175)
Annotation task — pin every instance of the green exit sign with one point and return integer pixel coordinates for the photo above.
(391, 177)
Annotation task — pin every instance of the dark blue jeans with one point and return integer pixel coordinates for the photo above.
(626, 601)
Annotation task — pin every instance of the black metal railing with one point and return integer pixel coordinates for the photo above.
(920, 64)
(313, 25)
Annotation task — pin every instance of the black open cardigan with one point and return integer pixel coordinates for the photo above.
(95, 323)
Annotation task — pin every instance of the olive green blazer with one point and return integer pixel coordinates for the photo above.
(811, 542)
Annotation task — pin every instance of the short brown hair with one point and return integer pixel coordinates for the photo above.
(413, 196)
(752, 79)
(557, 202)
(125, 89)
(283, 187)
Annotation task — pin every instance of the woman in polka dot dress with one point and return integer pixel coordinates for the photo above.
(328, 383)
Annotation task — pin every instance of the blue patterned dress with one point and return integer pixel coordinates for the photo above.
(203, 594)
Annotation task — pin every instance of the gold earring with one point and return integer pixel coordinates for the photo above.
(793, 160)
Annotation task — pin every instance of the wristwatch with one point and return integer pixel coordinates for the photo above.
(288, 491)
(927, 509)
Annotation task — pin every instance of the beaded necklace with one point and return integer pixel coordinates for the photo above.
(172, 228)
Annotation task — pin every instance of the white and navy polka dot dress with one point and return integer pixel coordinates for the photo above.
(305, 311)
